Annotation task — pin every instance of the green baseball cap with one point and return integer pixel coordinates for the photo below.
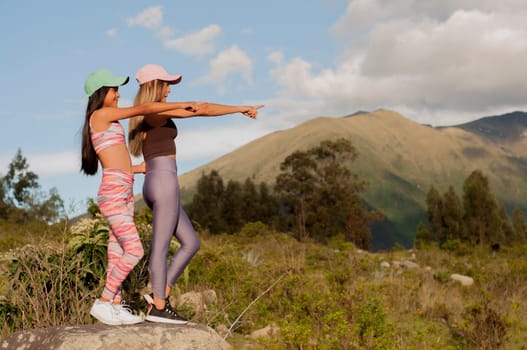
(100, 78)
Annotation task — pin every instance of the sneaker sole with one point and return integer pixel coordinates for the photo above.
(163, 320)
(102, 320)
(132, 322)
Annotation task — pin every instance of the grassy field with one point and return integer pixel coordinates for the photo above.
(316, 296)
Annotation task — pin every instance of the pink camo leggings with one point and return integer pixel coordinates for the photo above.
(116, 203)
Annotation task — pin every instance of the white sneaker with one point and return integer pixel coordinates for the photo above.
(125, 314)
(106, 313)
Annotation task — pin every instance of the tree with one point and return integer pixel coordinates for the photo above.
(21, 199)
(19, 182)
(423, 235)
(250, 200)
(267, 205)
(227, 209)
(434, 213)
(321, 194)
(295, 188)
(482, 216)
(207, 205)
(233, 207)
(452, 210)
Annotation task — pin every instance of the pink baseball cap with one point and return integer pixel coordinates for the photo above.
(151, 72)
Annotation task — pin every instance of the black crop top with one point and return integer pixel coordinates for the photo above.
(159, 141)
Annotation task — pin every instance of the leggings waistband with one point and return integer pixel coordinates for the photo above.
(161, 163)
(117, 175)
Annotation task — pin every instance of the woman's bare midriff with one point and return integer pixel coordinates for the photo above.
(116, 157)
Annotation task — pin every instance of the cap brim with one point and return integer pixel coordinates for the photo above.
(119, 81)
(174, 79)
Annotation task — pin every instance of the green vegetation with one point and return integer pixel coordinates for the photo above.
(476, 220)
(315, 196)
(310, 281)
(330, 296)
(25, 210)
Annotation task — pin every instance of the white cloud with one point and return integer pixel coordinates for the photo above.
(433, 60)
(150, 18)
(196, 44)
(228, 62)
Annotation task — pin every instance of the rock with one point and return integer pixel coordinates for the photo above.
(410, 264)
(464, 280)
(146, 335)
(194, 300)
(198, 301)
(209, 296)
(266, 331)
(385, 264)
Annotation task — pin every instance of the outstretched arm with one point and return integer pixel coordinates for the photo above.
(101, 118)
(206, 109)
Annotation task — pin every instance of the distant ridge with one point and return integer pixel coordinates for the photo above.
(401, 159)
(507, 128)
(356, 113)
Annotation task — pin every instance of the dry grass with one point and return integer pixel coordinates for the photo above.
(320, 297)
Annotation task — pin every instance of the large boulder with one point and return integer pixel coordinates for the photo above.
(146, 335)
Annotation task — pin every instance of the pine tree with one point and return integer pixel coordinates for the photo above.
(423, 235)
(453, 227)
(434, 213)
(233, 207)
(250, 199)
(481, 216)
(207, 204)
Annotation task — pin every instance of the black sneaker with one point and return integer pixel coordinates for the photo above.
(166, 315)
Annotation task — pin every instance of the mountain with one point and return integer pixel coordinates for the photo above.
(507, 128)
(399, 158)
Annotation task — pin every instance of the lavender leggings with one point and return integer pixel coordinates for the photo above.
(161, 194)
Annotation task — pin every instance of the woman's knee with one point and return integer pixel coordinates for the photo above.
(195, 246)
(134, 249)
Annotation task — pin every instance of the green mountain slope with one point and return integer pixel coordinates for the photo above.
(398, 157)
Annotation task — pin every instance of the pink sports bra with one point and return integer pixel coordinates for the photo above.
(112, 136)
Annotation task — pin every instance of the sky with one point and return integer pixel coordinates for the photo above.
(438, 62)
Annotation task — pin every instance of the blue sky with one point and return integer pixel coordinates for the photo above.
(436, 62)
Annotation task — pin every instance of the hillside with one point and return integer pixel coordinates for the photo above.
(399, 158)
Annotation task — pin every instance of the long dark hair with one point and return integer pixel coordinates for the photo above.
(90, 161)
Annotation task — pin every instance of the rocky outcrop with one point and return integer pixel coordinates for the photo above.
(146, 335)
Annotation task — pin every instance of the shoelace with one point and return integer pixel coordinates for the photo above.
(170, 310)
(122, 307)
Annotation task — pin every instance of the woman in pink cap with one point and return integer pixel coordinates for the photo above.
(103, 140)
(153, 137)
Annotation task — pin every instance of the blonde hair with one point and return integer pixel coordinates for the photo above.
(148, 92)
